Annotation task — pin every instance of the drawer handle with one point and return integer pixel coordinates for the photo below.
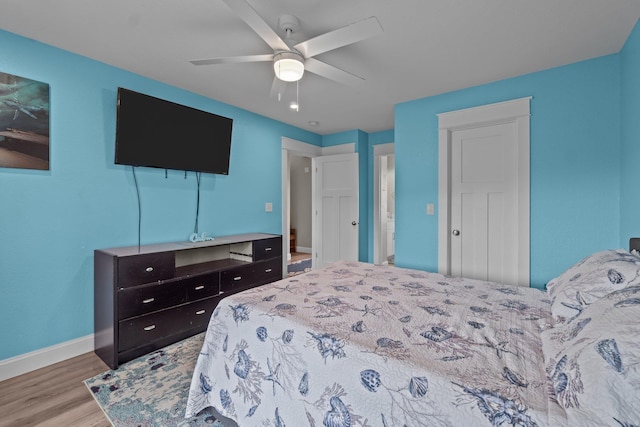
(267, 249)
(148, 300)
(237, 278)
(149, 269)
(199, 288)
(268, 270)
(150, 328)
(199, 312)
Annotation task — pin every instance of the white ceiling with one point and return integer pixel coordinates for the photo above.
(428, 47)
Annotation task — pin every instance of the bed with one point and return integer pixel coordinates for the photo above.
(354, 344)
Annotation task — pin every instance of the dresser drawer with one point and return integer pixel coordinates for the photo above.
(204, 286)
(267, 271)
(267, 248)
(139, 300)
(142, 330)
(198, 313)
(148, 268)
(235, 278)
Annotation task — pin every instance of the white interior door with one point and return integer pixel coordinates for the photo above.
(335, 208)
(484, 203)
(483, 194)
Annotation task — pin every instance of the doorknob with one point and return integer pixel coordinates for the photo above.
(354, 223)
(456, 232)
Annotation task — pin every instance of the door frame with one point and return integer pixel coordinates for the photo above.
(289, 147)
(379, 150)
(515, 111)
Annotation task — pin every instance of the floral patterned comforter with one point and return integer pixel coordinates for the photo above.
(353, 344)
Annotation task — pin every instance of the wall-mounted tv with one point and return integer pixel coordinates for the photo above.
(157, 133)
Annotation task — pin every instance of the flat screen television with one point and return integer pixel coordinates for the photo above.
(156, 133)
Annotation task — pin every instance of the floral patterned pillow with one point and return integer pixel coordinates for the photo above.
(595, 373)
(589, 280)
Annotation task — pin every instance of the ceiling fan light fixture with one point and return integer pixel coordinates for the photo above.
(288, 66)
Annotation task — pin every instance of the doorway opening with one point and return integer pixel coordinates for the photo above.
(291, 149)
(384, 203)
(300, 219)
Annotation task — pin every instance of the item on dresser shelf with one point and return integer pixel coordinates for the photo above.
(150, 296)
(200, 238)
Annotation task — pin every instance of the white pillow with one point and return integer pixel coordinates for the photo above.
(595, 373)
(589, 280)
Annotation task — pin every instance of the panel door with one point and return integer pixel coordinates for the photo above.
(335, 229)
(484, 203)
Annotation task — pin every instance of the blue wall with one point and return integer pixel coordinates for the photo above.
(51, 221)
(584, 147)
(575, 163)
(630, 158)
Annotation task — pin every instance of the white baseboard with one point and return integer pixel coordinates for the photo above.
(37, 359)
(303, 250)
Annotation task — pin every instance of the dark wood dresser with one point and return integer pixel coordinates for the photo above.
(146, 297)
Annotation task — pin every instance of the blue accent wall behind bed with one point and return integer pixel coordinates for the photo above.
(585, 151)
(630, 136)
(575, 162)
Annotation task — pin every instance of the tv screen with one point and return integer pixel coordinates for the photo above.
(161, 134)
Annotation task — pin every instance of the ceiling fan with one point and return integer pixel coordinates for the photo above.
(291, 59)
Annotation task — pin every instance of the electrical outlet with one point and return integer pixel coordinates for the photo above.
(268, 207)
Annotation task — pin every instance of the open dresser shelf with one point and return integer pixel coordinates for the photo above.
(146, 297)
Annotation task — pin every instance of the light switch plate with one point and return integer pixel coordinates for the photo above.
(430, 209)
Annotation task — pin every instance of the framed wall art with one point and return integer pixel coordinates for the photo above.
(24, 123)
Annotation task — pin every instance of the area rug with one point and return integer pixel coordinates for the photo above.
(152, 390)
(299, 267)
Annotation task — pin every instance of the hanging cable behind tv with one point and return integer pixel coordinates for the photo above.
(135, 180)
(195, 236)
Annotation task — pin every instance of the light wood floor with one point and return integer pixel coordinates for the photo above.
(53, 396)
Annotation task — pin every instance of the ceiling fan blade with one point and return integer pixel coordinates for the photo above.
(344, 36)
(277, 87)
(330, 72)
(234, 59)
(255, 21)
